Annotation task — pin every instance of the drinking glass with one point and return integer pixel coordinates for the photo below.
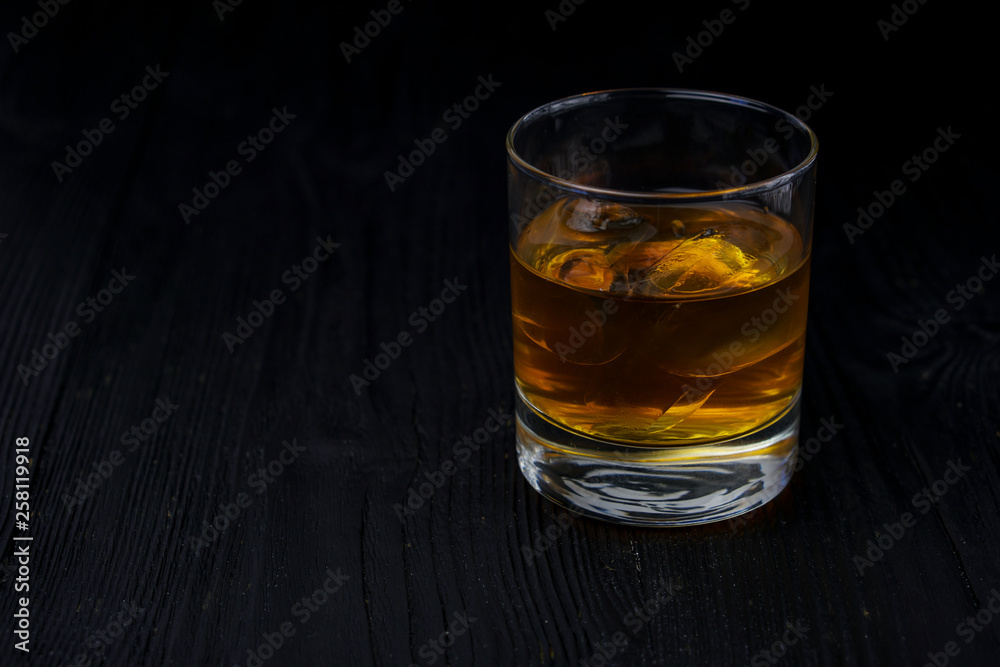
(659, 251)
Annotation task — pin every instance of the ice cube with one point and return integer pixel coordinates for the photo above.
(716, 259)
(589, 215)
(583, 267)
(632, 261)
(576, 221)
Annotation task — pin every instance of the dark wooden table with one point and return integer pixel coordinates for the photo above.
(192, 273)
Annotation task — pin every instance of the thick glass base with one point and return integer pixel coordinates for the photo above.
(667, 486)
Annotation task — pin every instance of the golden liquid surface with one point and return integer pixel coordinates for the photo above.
(659, 326)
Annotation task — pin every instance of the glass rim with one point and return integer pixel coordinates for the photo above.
(688, 93)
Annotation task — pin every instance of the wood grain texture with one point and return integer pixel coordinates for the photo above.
(516, 579)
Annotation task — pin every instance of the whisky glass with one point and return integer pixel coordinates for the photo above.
(659, 250)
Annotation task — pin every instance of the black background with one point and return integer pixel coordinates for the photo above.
(735, 588)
